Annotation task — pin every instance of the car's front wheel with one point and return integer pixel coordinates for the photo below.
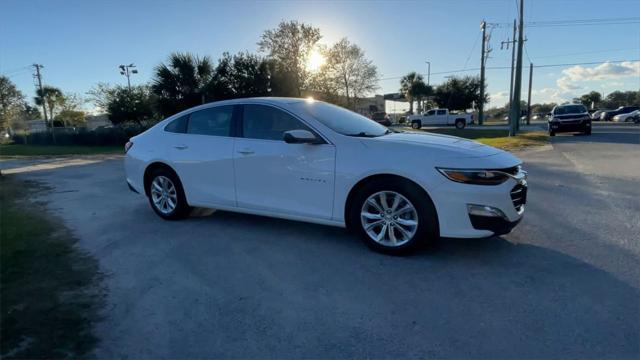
(166, 195)
(394, 216)
(416, 125)
(460, 124)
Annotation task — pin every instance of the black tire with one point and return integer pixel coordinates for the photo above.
(427, 231)
(552, 133)
(587, 131)
(416, 125)
(460, 124)
(182, 208)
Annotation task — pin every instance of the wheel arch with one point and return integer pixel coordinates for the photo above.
(153, 167)
(382, 177)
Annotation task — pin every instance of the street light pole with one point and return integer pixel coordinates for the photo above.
(124, 70)
(428, 72)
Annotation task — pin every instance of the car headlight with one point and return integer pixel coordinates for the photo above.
(475, 177)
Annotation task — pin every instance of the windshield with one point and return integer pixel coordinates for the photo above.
(341, 120)
(569, 109)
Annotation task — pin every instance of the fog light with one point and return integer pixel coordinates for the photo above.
(484, 210)
(588, 124)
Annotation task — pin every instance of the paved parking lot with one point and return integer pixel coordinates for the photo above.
(564, 284)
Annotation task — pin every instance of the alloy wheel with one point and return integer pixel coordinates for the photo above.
(389, 218)
(164, 194)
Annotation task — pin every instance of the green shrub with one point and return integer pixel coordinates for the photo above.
(117, 135)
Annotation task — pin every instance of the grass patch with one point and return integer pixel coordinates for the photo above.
(499, 138)
(44, 150)
(50, 290)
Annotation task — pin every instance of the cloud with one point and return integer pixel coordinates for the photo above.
(604, 71)
(548, 95)
(499, 98)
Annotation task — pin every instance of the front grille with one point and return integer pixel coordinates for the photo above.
(519, 196)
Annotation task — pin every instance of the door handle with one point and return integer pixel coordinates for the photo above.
(246, 151)
(180, 147)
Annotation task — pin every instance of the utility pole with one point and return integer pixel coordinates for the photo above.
(513, 62)
(428, 72)
(529, 95)
(124, 70)
(38, 76)
(483, 27)
(517, 84)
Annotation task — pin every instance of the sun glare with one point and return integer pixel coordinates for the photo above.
(315, 60)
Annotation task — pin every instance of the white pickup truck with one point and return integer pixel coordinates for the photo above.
(440, 117)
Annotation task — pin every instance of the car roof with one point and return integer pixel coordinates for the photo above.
(282, 101)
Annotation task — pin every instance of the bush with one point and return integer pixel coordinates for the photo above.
(117, 135)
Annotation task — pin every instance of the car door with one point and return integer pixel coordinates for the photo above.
(441, 117)
(428, 118)
(272, 175)
(202, 155)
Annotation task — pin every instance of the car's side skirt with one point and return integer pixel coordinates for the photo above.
(269, 213)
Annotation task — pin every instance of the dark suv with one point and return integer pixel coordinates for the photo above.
(608, 115)
(569, 118)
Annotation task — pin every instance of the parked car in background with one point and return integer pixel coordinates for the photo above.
(595, 115)
(538, 116)
(570, 118)
(632, 116)
(315, 162)
(440, 117)
(381, 118)
(609, 114)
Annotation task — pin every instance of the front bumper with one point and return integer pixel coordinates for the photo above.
(569, 126)
(497, 225)
(453, 199)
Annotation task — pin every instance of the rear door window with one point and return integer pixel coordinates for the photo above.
(178, 125)
(215, 121)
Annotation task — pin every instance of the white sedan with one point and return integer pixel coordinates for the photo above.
(632, 116)
(311, 161)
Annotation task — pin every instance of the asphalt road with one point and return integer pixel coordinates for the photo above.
(564, 284)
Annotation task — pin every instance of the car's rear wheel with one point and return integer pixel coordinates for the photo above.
(393, 216)
(460, 124)
(166, 195)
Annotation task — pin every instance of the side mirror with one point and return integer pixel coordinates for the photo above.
(301, 137)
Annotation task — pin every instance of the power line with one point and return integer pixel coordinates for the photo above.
(587, 63)
(575, 22)
(585, 52)
(509, 67)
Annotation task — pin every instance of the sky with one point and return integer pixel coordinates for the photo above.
(81, 43)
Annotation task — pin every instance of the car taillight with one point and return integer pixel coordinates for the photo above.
(127, 146)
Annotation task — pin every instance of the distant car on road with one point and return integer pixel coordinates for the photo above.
(569, 118)
(440, 117)
(315, 162)
(608, 115)
(381, 118)
(538, 116)
(595, 115)
(632, 116)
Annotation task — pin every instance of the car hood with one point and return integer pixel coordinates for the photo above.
(450, 146)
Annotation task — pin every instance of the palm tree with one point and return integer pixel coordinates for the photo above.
(52, 97)
(181, 83)
(420, 91)
(410, 85)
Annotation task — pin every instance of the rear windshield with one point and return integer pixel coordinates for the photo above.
(569, 109)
